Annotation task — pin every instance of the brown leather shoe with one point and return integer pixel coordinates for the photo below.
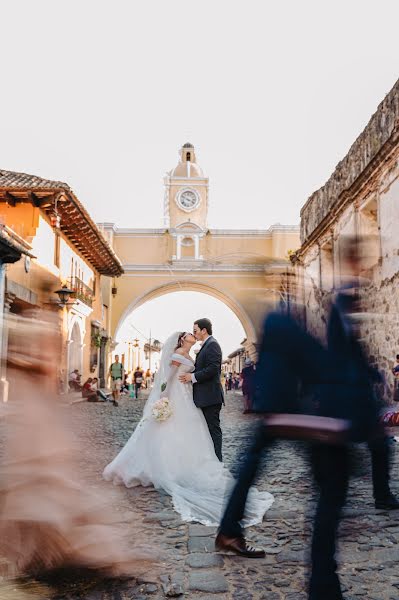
(238, 545)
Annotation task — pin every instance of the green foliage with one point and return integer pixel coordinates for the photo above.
(96, 340)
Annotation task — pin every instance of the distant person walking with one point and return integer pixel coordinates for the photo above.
(138, 378)
(148, 379)
(248, 385)
(116, 373)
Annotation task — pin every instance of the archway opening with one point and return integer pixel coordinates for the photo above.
(75, 349)
(157, 318)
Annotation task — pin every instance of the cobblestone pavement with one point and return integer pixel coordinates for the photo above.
(188, 567)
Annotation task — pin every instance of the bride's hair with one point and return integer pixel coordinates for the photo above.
(180, 340)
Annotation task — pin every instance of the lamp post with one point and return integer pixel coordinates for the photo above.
(64, 294)
(136, 357)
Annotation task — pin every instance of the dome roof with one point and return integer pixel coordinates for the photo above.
(182, 169)
(188, 145)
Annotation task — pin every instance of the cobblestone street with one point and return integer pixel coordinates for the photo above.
(186, 562)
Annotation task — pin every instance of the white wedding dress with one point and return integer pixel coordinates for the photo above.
(177, 455)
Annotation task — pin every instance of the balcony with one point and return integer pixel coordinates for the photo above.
(81, 291)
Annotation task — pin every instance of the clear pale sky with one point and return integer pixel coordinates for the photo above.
(272, 94)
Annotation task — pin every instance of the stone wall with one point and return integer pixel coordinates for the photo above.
(360, 198)
(380, 331)
(360, 158)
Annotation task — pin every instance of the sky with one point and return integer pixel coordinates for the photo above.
(103, 94)
(177, 312)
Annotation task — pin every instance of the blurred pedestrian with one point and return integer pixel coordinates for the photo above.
(74, 381)
(125, 384)
(101, 395)
(88, 392)
(50, 518)
(116, 373)
(148, 379)
(290, 358)
(236, 381)
(248, 384)
(138, 380)
(358, 396)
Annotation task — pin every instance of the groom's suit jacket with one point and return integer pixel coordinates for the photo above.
(208, 389)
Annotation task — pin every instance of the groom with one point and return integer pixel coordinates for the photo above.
(207, 389)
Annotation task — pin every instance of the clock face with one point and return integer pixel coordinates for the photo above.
(188, 199)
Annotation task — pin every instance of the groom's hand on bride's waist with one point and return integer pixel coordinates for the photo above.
(186, 378)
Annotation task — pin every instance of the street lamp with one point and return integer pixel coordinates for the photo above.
(64, 294)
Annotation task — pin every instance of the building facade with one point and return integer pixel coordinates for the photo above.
(360, 199)
(60, 246)
(239, 267)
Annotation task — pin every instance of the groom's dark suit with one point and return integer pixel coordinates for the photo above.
(207, 389)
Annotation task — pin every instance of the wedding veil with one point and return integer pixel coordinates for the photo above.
(163, 372)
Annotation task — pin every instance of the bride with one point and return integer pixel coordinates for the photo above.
(177, 454)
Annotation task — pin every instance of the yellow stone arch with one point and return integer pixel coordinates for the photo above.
(237, 266)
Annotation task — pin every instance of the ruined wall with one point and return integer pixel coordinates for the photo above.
(361, 198)
(360, 157)
(380, 331)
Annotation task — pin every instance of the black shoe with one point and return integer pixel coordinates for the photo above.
(115, 403)
(388, 503)
(237, 545)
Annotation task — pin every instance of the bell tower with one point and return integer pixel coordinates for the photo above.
(186, 192)
(186, 206)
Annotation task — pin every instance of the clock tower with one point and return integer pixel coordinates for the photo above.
(186, 192)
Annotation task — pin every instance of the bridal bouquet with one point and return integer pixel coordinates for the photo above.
(162, 409)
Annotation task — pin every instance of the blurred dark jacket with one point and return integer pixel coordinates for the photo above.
(296, 374)
(291, 362)
(248, 380)
(353, 391)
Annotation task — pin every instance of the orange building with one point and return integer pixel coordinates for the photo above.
(59, 245)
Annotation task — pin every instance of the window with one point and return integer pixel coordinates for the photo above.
(326, 266)
(369, 235)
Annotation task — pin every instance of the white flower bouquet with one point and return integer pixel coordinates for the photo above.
(162, 409)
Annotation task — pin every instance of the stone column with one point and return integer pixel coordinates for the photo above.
(196, 244)
(178, 247)
(6, 305)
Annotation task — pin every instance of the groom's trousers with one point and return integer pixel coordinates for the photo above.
(212, 417)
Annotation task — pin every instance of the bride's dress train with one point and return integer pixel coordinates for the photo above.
(177, 456)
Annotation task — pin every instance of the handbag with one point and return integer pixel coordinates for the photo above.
(312, 428)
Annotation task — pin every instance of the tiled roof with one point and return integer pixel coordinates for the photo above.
(10, 179)
(76, 223)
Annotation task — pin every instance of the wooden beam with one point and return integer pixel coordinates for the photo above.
(33, 199)
(47, 201)
(9, 198)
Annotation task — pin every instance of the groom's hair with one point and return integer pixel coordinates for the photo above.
(204, 324)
